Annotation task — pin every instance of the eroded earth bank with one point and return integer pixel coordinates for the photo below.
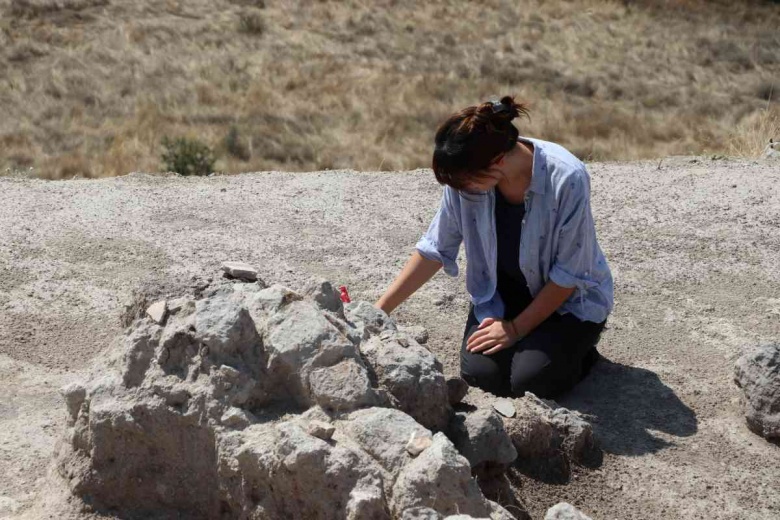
(694, 245)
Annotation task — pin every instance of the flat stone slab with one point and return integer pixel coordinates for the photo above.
(505, 407)
(158, 311)
(240, 270)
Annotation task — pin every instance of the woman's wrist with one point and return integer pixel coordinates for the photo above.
(513, 327)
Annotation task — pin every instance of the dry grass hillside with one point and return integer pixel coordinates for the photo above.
(90, 87)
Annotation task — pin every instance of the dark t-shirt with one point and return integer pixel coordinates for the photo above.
(511, 283)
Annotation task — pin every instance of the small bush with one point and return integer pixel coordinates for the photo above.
(187, 156)
(251, 22)
(753, 133)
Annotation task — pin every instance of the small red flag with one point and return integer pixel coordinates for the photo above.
(344, 294)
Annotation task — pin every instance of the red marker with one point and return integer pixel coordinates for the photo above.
(344, 294)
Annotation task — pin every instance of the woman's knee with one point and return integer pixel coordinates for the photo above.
(490, 373)
(486, 376)
(533, 371)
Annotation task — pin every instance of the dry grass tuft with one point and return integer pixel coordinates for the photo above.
(91, 87)
(752, 135)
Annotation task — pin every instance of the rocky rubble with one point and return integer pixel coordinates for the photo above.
(247, 401)
(758, 374)
(548, 439)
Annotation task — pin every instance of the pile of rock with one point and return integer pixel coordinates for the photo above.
(548, 439)
(251, 401)
(758, 374)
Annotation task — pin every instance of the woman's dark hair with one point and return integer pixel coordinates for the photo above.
(471, 139)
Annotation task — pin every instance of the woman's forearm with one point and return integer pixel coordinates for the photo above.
(546, 302)
(414, 274)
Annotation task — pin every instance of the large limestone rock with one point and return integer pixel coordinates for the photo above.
(412, 376)
(481, 438)
(440, 479)
(259, 402)
(758, 374)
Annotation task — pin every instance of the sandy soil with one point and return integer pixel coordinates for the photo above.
(694, 245)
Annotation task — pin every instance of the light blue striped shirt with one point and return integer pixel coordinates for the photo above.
(558, 239)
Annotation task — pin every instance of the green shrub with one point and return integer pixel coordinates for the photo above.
(187, 156)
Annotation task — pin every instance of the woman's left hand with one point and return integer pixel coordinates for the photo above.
(491, 336)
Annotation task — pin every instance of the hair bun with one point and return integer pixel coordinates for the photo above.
(499, 107)
(469, 140)
(500, 111)
(513, 109)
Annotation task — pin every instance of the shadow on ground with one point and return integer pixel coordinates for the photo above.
(628, 405)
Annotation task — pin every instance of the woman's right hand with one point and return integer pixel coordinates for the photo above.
(414, 274)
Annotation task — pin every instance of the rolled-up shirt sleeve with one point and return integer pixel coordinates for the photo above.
(576, 252)
(441, 242)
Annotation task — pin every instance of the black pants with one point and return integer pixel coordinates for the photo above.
(553, 358)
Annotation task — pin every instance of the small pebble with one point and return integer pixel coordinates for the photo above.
(418, 443)
(321, 430)
(504, 407)
(158, 311)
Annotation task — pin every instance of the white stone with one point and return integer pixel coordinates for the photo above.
(158, 311)
(505, 407)
(236, 418)
(321, 430)
(564, 511)
(418, 443)
(240, 270)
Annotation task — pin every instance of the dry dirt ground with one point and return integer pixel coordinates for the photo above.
(694, 245)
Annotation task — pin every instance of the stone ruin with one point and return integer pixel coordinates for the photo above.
(249, 401)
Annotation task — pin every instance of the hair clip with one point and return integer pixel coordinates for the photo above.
(498, 107)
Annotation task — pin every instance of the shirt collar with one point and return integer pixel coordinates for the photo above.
(539, 172)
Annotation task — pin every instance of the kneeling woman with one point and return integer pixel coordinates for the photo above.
(540, 286)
